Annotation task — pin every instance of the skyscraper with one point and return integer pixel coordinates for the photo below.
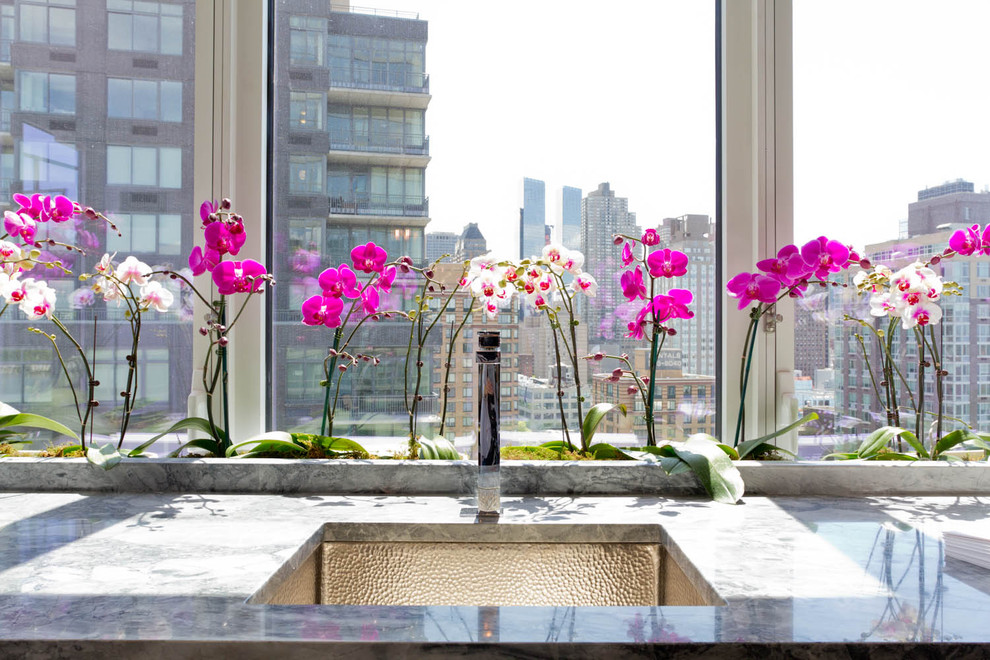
(532, 218)
(603, 215)
(570, 218)
(471, 243)
(439, 243)
(694, 235)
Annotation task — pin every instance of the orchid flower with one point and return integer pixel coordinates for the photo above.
(587, 284)
(220, 238)
(673, 305)
(384, 281)
(632, 284)
(370, 300)
(29, 206)
(132, 270)
(966, 241)
(788, 267)
(322, 310)
(627, 255)
(153, 294)
(339, 282)
(573, 262)
(19, 224)
(554, 253)
(749, 287)
(369, 258)
(57, 209)
(82, 297)
(651, 237)
(37, 299)
(201, 261)
(206, 209)
(922, 314)
(667, 263)
(239, 277)
(824, 256)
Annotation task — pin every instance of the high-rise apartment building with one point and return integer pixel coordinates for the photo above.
(439, 243)
(351, 99)
(694, 235)
(471, 243)
(602, 216)
(96, 103)
(532, 218)
(963, 331)
(570, 218)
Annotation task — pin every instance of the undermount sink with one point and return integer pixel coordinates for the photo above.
(489, 564)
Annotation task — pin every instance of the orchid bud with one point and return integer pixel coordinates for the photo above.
(617, 374)
(225, 203)
(419, 397)
(617, 239)
(646, 380)
(419, 363)
(332, 352)
(864, 263)
(91, 213)
(671, 332)
(935, 260)
(631, 389)
(223, 341)
(204, 331)
(342, 367)
(624, 356)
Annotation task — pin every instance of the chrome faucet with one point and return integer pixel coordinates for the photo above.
(489, 370)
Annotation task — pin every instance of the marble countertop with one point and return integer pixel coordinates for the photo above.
(168, 575)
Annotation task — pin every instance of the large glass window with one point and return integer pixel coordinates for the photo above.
(52, 22)
(159, 100)
(57, 141)
(368, 116)
(40, 91)
(159, 167)
(890, 144)
(147, 27)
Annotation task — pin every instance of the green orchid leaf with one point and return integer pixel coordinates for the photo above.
(437, 449)
(594, 418)
(787, 429)
(952, 439)
(840, 456)
(559, 445)
(747, 449)
(273, 440)
(891, 456)
(188, 423)
(341, 445)
(916, 444)
(729, 451)
(712, 467)
(877, 440)
(644, 456)
(209, 444)
(105, 456)
(36, 422)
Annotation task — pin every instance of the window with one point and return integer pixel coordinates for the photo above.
(52, 22)
(146, 233)
(306, 174)
(306, 40)
(146, 27)
(306, 110)
(159, 167)
(47, 165)
(159, 100)
(46, 92)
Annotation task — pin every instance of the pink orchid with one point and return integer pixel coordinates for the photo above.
(748, 287)
(787, 268)
(651, 237)
(587, 284)
(30, 206)
(19, 224)
(200, 261)
(238, 276)
(370, 300)
(222, 240)
(57, 209)
(133, 270)
(824, 256)
(673, 305)
(627, 255)
(322, 310)
(637, 326)
(338, 282)
(667, 263)
(572, 262)
(384, 281)
(206, 209)
(632, 284)
(154, 295)
(369, 258)
(966, 241)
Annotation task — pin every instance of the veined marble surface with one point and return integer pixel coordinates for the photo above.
(169, 575)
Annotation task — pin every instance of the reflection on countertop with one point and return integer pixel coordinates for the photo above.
(804, 575)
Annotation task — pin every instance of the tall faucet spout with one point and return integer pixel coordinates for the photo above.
(489, 376)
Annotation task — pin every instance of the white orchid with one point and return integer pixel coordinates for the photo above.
(38, 301)
(586, 284)
(132, 270)
(153, 294)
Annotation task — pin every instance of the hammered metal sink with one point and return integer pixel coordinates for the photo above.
(489, 565)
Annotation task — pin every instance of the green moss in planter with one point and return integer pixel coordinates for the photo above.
(541, 454)
(62, 451)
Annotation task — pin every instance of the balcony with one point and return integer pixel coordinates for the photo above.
(383, 144)
(384, 77)
(369, 204)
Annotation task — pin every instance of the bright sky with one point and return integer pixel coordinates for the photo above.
(571, 92)
(890, 96)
